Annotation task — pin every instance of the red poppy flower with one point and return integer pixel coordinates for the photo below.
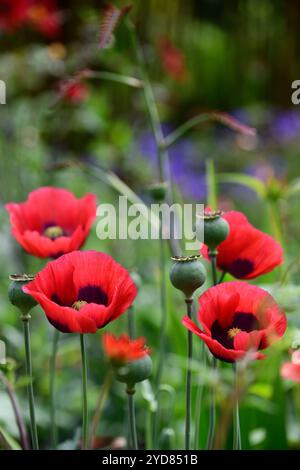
(247, 252)
(123, 349)
(82, 291)
(237, 318)
(52, 221)
(291, 370)
(13, 13)
(172, 59)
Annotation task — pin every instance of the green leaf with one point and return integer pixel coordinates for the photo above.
(8, 441)
(211, 185)
(245, 180)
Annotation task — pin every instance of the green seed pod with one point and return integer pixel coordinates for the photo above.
(216, 229)
(134, 371)
(158, 191)
(187, 274)
(17, 297)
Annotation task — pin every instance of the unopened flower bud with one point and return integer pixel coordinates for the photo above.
(134, 371)
(17, 297)
(187, 274)
(216, 229)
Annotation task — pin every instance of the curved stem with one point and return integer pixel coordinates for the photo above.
(100, 405)
(84, 394)
(52, 388)
(162, 153)
(216, 116)
(237, 442)
(116, 77)
(34, 435)
(132, 425)
(188, 410)
(17, 412)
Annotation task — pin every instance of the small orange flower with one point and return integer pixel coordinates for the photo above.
(122, 350)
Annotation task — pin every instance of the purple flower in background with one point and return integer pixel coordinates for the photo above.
(267, 169)
(186, 162)
(286, 125)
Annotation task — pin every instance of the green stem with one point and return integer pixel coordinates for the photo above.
(131, 326)
(216, 116)
(131, 411)
(52, 388)
(199, 398)
(237, 442)
(222, 277)
(188, 411)
(149, 428)
(100, 404)
(213, 258)
(26, 329)
(17, 411)
(212, 196)
(163, 307)
(212, 413)
(116, 77)
(84, 394)
(162, 330)
(163, 156)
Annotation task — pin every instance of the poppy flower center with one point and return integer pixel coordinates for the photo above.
(79, 304)
(233, 332)
(240, 268)
(246, 322)
(53, 232)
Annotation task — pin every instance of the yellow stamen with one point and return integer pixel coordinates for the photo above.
(79, 304)
(54, 232)
(233, 332)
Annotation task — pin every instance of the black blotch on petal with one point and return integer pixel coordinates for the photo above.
(57, 300)
(245, 322)
(92, 294)
(240, 268)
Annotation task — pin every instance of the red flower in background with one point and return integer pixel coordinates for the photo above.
(45, 17)
(73, 90)
(52, 221)
(291, 370)
(237, 318)
(122, 350)
(13, 13)
(247, 252)
(82, 291)
(173, 60)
